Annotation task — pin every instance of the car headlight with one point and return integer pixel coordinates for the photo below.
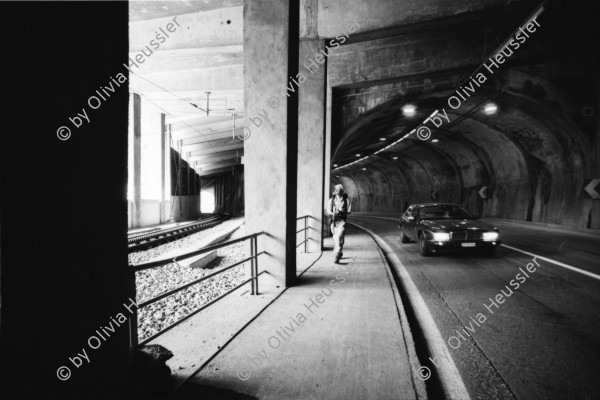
(491, 236)
(441, 236)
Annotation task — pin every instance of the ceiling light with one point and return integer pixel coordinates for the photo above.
(435, 140)
(335, 165)
(358, 155)
(490, 108)
(409, 110)
(395, 158)
(382, 139)
(364, 169)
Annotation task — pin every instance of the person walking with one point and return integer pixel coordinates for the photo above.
(338, 208)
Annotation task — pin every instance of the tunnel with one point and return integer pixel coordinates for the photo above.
(526, 160)
(300, 199)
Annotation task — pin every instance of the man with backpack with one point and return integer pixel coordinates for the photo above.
(338, 208)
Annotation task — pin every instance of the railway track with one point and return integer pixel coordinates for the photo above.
(156, 237)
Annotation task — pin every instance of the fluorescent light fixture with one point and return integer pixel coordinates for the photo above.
(409, 110)
(364, 169)
(335, 165)
(382, 139)
(435, 140)
(395, 158)
(357, 155)
(490, 108)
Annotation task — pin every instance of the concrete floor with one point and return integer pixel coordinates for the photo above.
(195, 341)
(349, 345)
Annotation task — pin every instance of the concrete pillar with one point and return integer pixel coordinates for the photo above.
(328, 162)
(137, 160)
(163, 155)
(179, 187)
(311, 141)
(188, 187)
(270, 154)
(594, 217)
(168, 199)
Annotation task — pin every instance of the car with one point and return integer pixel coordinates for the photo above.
(439, 227)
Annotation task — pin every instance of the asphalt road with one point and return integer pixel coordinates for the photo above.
(543, 340)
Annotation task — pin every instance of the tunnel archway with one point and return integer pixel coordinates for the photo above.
(527, 161)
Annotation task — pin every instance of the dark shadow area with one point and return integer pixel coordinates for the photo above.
(63, 202)
(201, 392)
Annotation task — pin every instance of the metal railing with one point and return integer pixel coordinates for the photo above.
(305, 229)
(254, 274)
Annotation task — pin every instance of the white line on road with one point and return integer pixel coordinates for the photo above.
(449, 375)
(575, 269)
(581, 271)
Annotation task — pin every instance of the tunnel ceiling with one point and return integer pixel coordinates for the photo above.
(528, 160)
(204, 54)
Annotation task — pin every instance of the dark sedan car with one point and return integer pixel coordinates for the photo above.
(445, 226)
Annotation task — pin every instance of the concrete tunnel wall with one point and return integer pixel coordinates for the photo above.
(532, 156)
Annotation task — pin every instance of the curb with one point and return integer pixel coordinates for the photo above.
(452, 383)
(418, 383)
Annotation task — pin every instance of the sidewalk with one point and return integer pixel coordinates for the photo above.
(336, 335)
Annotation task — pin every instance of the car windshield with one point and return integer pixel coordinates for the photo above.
(444, 211)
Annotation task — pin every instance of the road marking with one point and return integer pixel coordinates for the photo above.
(575, 269)
(449, 375)
(581, 271)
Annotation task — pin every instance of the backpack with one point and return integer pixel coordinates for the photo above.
(332, 218)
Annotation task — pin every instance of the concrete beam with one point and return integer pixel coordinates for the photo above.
(215, 145)
(336, 15)
(202, 29)
(226, 77)
(209, 150)
(216, 158)
(203, 138)
(182, 60)
(208, 167)
(214, 172)
(408, 55)
(199, 122)
(192, 130)
(173, 120)
(218, 155)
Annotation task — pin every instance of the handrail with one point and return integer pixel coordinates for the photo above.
(305, 229)
(152, 264)
(254, 274)
(192, 283)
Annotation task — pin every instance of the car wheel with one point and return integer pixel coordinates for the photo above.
(423, 247)
(404, 238)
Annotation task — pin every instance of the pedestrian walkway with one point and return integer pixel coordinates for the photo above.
(336, 335)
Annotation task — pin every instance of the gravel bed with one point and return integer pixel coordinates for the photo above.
(153, 282)
(141, 257)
